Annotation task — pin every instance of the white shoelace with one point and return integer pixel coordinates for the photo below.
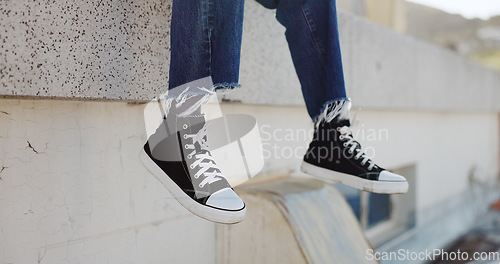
(204, 160)
(345, 133)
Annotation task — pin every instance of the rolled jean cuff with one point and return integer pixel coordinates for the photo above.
(327, 104)
(225, 88)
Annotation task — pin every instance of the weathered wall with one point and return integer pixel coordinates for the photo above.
(71, 183)
(72, 189)
(120, 50)
(84, 49)
(71, 186)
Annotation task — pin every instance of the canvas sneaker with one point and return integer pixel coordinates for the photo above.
(177, 154)
(336, 156)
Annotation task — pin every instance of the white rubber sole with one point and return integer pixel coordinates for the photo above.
(209, 213)
(387, 187)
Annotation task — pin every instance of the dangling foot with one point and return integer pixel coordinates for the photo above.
(178, 156)
(335, 155)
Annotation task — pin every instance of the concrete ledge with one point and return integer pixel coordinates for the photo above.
(96, 50)
(84, 49)
(294, 221)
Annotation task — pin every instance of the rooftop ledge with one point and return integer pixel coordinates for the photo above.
(101, 51)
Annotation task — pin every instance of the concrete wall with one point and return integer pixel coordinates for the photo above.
(84, 49)
(389, 13)
(439, 144)
(356, 7)
(74, 49)
(72, 189)
(305, 206)
(383, 70)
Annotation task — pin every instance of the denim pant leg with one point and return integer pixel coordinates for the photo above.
(313, 39)
(205, 39)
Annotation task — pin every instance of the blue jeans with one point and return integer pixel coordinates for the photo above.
(206, 41)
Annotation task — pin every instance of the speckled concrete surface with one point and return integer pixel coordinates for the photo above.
(120, 50)
(267, 74)
(97, 49)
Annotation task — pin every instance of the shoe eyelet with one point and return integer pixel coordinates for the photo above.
(369, 169)
(196, 177)
(186, 146)
(341, 137)
(345, 144)
(191, 166)
(201, 186)
(185, 126)
(189, 156)
(350, 151)
(356, 158)
(185, 136)
(338, 129)
(363, 163)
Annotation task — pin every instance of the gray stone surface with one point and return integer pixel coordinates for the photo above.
(120, 50)
(382, 67)
(84, 49)
(266, 74)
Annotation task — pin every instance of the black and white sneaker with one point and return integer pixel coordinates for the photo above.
(178, 156)
(335, 155)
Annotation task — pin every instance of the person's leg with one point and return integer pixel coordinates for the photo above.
(334, 154)
(206, 41)
(313, 39)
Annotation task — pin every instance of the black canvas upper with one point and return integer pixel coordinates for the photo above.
(328, 150)
(171, 156)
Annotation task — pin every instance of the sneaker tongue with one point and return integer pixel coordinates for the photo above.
(345, 122)
(339, 123)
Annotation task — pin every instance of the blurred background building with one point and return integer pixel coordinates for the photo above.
(475, 38)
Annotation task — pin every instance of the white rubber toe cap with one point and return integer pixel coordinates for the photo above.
(390, 177)
(226, 199)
